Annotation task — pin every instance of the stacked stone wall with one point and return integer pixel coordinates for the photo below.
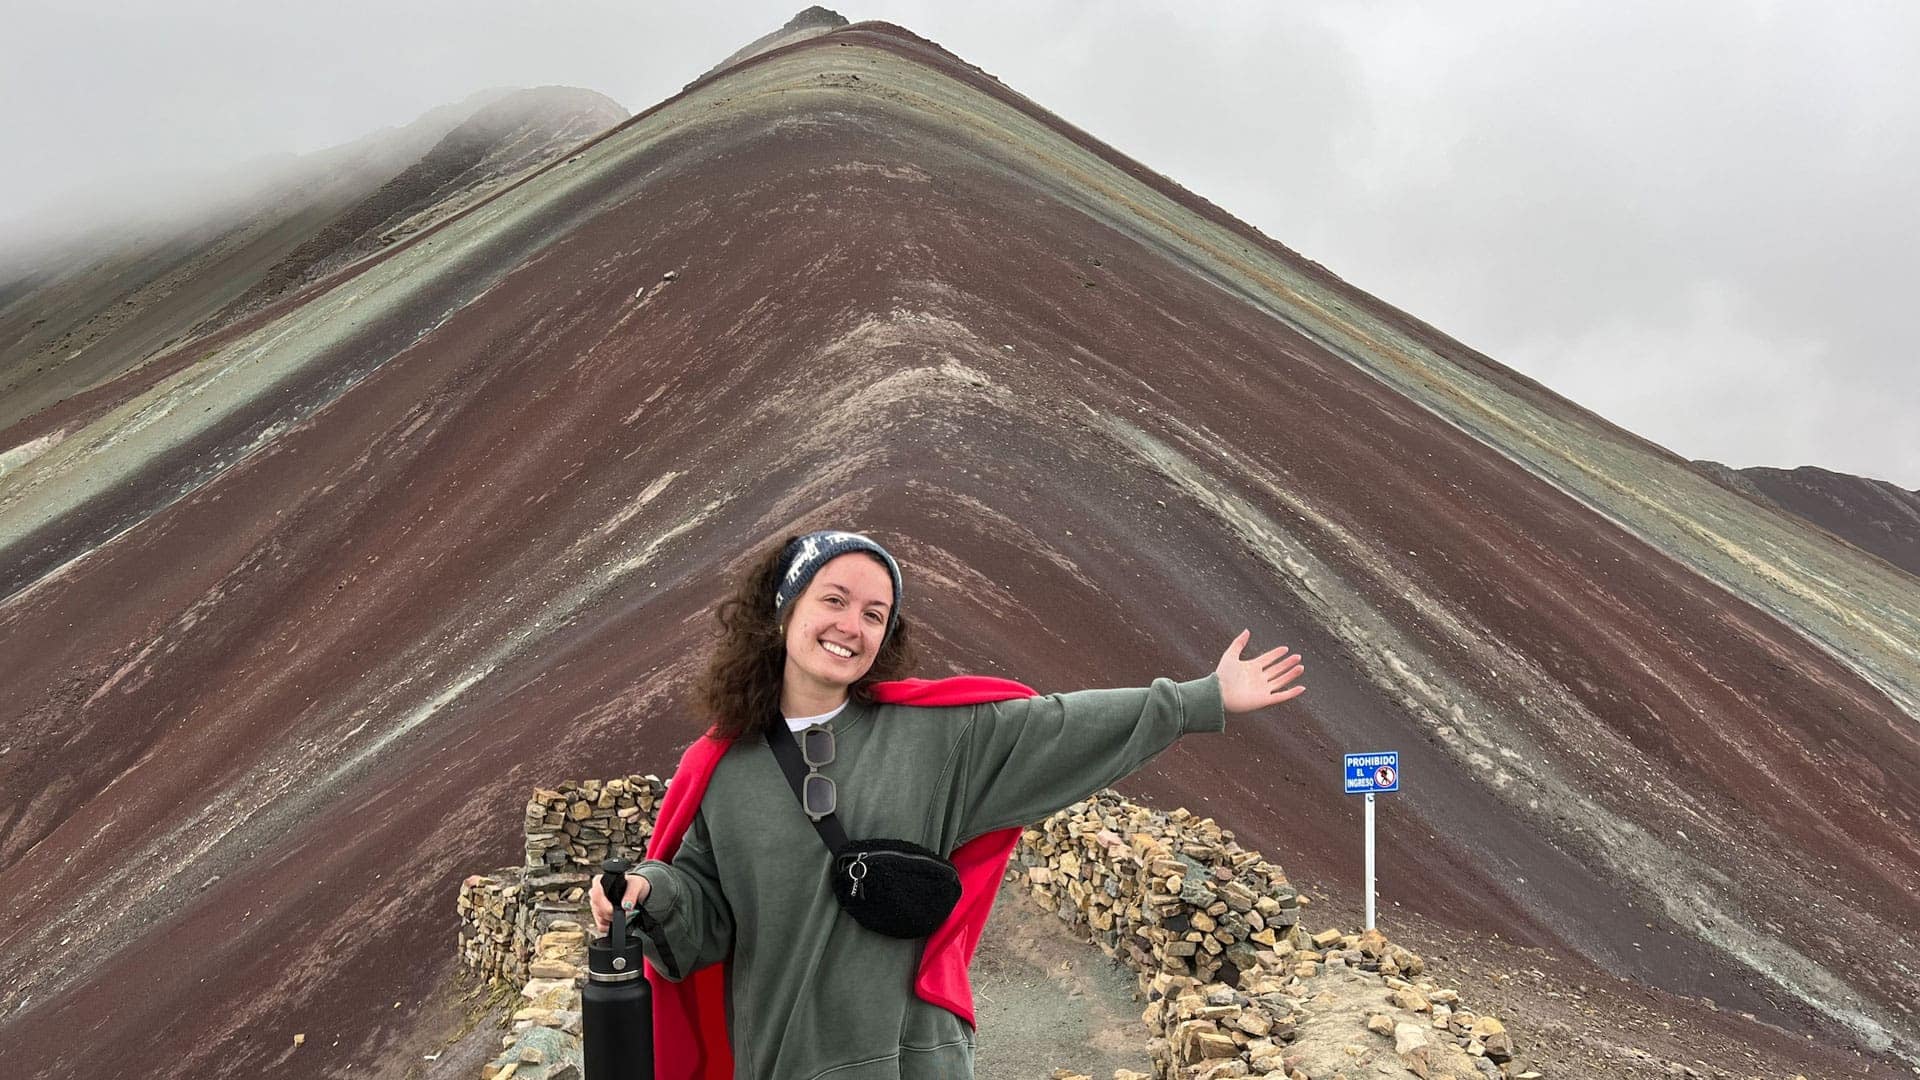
(1211, 930)
(572, 828)
(494, 916)
(1179, 901)
(569, 830)
(1165, 892)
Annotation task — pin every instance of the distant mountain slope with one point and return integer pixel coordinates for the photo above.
(292, 620)
(109, 300)
(499, 142)
(1872, 515)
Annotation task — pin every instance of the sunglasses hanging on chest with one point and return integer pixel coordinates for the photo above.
(892, 887)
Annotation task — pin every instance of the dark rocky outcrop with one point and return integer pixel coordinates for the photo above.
(811, 22)
(1873, 515)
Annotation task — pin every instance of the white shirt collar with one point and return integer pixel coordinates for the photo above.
(796, 723)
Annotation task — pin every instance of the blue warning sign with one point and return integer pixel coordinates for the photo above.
(1372, 773)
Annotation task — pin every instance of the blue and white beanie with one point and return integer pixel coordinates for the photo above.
(807, 554)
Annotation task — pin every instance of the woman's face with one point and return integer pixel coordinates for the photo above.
(834, 629)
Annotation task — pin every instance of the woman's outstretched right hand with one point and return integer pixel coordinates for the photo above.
(636, 894)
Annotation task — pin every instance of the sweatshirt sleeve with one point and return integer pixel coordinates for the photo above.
(685, 897)
(1026, 758)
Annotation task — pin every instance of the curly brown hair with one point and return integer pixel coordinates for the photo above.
(740, 691)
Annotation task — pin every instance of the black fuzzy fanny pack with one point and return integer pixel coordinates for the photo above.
(892, 887)
(895, 887)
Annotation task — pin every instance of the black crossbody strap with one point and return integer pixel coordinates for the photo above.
(788, 755)
(652, 927)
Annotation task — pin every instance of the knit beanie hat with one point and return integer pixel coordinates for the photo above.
(805, 555)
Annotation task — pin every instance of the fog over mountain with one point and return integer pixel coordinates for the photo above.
(1690, 218)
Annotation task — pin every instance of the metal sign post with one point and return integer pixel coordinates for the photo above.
(1368, 774)
(1369, 860)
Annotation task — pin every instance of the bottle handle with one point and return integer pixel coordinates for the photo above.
(613, 882)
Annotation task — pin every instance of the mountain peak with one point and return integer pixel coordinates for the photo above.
(810, 22)
(815, 16)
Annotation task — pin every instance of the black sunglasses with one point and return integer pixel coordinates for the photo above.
(817, 791)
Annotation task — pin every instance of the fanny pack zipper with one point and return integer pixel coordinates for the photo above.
(861, 861)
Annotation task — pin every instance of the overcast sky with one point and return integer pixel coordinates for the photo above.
(1697, 219)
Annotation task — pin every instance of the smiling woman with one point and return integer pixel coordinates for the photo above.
(835, 621)
(786, 959)
(763, 655)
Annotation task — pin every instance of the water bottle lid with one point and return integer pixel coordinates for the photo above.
(607, 965)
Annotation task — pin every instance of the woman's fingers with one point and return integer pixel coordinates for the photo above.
(1246, 685)
(1274, 667)
(1235, 647)
(1277, 690)
(1282, 670)
(1279, 667)
(631, 897)
(602, 908)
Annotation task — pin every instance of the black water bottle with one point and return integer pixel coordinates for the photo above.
(616, 1008)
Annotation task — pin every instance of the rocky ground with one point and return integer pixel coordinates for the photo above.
(1048, 1002)
(1574, 1020)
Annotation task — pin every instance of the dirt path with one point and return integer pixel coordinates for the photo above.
(1044, 999)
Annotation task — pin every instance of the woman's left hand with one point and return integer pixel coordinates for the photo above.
(1246, 685)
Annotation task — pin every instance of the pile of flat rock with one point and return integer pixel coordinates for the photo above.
(522, 925)
(577, 825)
(545, 1043)
(496, 924)
(569, 831)
(1170, 893)
(1235, 987)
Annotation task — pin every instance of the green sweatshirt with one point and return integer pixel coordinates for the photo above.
(811, 993)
